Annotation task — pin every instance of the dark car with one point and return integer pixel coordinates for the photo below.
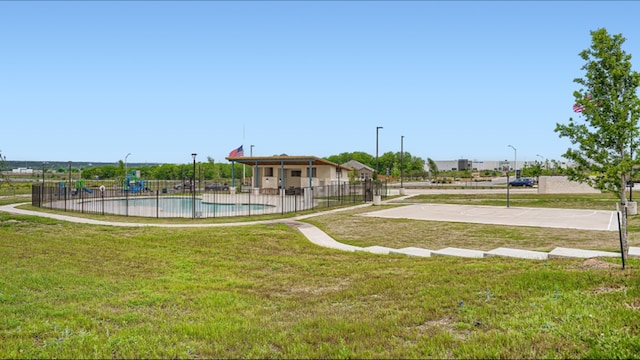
(524, 182)
(185, 186)
(216, 187)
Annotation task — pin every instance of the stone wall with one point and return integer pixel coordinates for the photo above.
(562, 185)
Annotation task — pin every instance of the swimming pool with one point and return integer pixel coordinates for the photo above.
(173, 207)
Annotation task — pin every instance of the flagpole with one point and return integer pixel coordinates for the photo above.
(243, 166)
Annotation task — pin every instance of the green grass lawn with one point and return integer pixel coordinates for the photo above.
(263, 291)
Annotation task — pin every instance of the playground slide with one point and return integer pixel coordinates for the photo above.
(88, 190)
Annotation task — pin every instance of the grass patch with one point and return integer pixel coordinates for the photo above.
(261, 291)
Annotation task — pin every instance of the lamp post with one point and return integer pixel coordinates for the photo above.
(251, 150)
(515, 160)
(401, 162)
(542, 162)
(125, 168)
(193, 185)
(377, 166)
(42, 192)
(66, 193)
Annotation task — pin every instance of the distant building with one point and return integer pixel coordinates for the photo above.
(362, 171)
(491, 165)
(22, 171)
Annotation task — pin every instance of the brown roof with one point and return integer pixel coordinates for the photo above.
(286, 160)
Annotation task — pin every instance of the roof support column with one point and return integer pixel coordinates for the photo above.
(282, 175)
(255, 174)
(233, 178)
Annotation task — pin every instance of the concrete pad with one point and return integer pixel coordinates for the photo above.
(517, 253)
(458, 252)
(502, 215)
(560, 252)
(377, 250)
(413, 251)
(634, 251)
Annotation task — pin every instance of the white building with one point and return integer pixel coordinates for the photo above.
(481, 165)
(22, 171)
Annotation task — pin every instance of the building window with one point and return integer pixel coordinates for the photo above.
(313, 171)
(268, 171)
(296, 173)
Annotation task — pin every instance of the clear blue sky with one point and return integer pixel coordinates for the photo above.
(94, 81)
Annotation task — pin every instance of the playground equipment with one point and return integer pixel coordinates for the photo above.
(79, 186)
(133, 183)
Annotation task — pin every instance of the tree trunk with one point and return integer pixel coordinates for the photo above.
(624, 235)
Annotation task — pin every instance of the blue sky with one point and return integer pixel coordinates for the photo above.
(94, 81)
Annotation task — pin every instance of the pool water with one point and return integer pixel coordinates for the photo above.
(178, 206)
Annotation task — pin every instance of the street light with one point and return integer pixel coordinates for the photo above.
(377, 166)
(401, 162)
(515, 160)
(42, 192)
(193, 185)
(251, 150)
(541, 158)
(125, 166)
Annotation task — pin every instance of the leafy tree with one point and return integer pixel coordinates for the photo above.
(215, 171)
(433, 168)
(607, 101)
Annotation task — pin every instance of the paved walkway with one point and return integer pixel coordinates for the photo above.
(591, 220)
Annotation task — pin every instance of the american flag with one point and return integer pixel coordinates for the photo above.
(577, 108)
(237, 152)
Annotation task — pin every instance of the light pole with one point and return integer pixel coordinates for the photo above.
(126, 173)
(251, 150)
(401, 162)
(193, 185)
(377, 166)
(69, 187)
(515, 160)
(42, 192)
(541, 159)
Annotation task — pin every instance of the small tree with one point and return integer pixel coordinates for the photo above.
(433, 169)
(609, 105)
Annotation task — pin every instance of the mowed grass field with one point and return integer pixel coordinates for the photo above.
(264, 291)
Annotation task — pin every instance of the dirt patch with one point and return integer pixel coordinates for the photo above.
(11, 221)
(595, 263)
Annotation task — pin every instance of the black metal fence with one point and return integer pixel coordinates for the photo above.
(171, 199)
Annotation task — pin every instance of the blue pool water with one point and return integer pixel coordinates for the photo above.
(185, 204)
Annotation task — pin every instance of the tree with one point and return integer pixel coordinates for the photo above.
(433, 168)
(607, 101)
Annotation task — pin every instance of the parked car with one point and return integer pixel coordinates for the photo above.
(216, 187)
(524, 182)
(186, 186)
